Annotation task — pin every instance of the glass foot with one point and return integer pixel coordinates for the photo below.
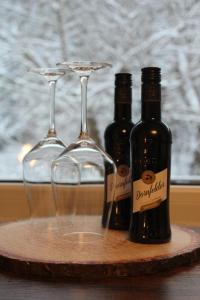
(84, 68)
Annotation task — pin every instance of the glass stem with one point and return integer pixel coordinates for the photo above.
(84, 81)
(52, 88)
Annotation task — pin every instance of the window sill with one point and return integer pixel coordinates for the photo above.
(184, 203)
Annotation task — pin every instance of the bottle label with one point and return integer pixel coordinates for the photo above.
(150, 190)
(122, 185)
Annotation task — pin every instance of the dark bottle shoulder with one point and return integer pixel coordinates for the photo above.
(121, 127)
(117, 141)
(151, 129)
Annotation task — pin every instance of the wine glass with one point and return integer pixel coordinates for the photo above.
(81, 198)
(37, 162)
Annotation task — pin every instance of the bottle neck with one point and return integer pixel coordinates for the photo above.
(151, 111)
(123, 103)
(151, 102)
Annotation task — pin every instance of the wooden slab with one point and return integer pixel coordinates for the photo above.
(44, 247)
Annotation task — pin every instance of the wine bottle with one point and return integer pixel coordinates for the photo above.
(150, 162)
(117, 145)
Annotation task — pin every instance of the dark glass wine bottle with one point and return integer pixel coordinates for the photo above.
(150, 162)
(117, 144)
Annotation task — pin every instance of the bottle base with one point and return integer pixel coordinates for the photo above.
(150, 241)
(119, 227)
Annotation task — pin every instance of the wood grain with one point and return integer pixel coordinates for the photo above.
(45, 247)
(181, 283)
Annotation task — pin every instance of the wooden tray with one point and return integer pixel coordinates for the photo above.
(42, 247)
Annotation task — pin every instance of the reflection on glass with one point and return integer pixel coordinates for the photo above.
(81, 200)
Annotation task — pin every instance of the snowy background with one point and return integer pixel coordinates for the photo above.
(130, 34)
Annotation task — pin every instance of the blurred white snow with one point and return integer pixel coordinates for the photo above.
(130, 34)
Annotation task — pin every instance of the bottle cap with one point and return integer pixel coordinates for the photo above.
(122, 79)
(123, 92)
(151, 74)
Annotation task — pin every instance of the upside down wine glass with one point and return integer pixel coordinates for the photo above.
(37, 162)
(82, 201)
